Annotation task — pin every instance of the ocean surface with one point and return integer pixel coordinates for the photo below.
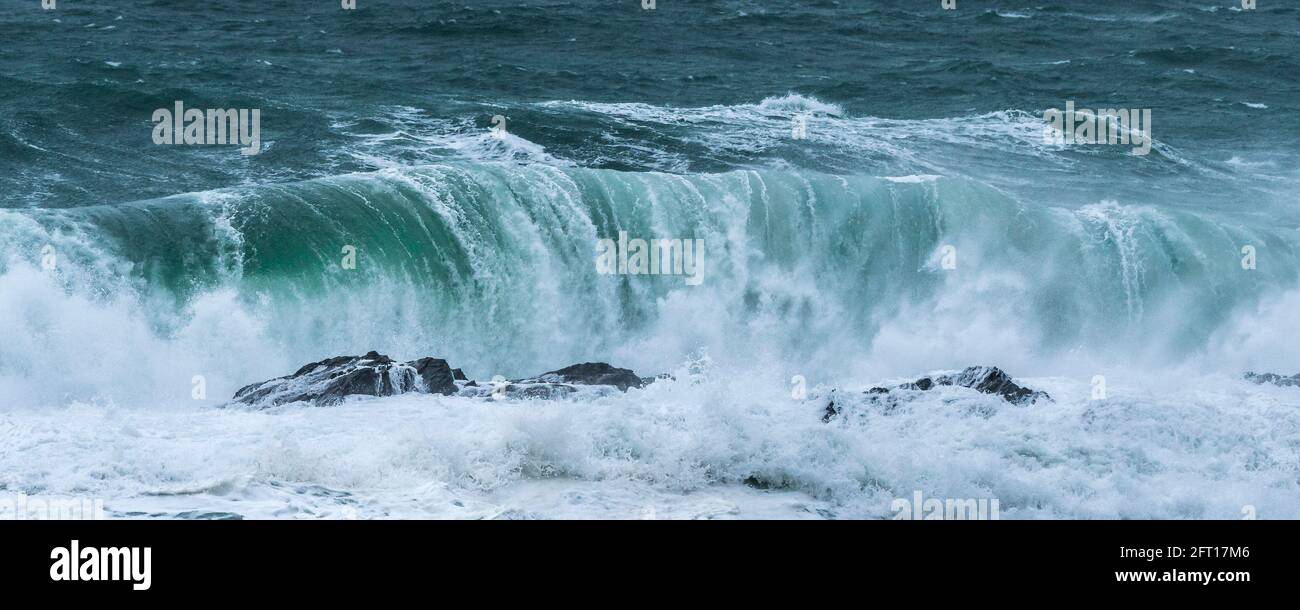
(870, 182)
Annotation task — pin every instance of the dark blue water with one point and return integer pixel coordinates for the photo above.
(395, 82)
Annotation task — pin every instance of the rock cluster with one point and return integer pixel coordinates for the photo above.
(330, 381)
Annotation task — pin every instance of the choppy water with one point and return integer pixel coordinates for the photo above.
(824, 255)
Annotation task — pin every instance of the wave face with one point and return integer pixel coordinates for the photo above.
(493, 266)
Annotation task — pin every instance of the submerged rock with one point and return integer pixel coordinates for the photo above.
(329, 381)
(1275, 379)
(514, 390)
(592, 378)
(645, 381)
(984, 379)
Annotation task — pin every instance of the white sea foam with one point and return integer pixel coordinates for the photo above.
(1157, 447)
(912, 179)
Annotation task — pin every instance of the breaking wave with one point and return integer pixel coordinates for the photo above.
(492, 265)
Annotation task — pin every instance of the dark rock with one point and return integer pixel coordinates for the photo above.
(991, 380)
(1275, 379)
(984, 379)
(588, 373)
(540, 391)
(437, 377)
(329, 381)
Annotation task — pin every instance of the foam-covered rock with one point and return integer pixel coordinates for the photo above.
(983, 379)
(1275, 379)
(330, 381)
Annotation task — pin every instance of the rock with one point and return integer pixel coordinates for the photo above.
(329, 381)
(436, 376)
(984, 379)
(539, 391)
(1275, 379)
(588, 373)
(589, 378)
